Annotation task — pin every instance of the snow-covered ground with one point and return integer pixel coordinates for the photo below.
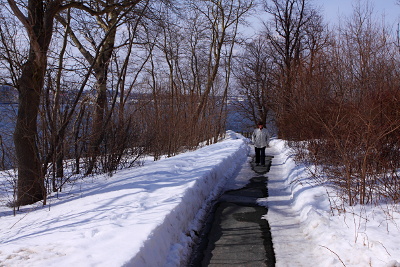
(149, 216)
(307, 232)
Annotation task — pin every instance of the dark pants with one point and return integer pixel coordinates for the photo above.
(260, 155)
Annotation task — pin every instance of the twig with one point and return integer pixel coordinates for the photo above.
(19, 220)
(335, 254)
(384, 248)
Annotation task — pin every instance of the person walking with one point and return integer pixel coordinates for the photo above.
(260, 139)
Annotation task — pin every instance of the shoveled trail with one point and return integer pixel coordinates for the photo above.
(237, 235)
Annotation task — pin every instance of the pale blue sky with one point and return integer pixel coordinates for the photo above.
(333, 8)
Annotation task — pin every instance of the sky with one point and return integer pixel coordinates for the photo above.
(333, 9)
(149, 215)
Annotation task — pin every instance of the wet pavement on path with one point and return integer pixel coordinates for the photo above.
(236, 234)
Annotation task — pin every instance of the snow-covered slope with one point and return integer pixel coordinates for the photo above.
(138, 217)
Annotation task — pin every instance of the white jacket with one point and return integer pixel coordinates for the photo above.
(260, 137)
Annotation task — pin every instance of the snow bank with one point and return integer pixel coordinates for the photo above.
(307, 232)
(181, 225)
(143, 216)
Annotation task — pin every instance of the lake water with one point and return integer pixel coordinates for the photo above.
(8, 117)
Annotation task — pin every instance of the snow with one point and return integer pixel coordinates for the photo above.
(307, 230)
(150, 215)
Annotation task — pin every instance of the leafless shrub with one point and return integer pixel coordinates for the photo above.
(345, 112)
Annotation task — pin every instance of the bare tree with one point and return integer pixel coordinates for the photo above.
(37, 18)
(255, 74)
(222, 17)
(287, 34)
(107, 24)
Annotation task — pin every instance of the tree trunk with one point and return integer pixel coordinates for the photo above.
(101, 72)
(39, 27)
(98, 126)
(30, 185)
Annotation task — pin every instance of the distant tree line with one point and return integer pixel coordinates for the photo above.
(101, 83)
(334, 94)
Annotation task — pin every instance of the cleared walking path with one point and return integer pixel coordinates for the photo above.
(238, 236)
